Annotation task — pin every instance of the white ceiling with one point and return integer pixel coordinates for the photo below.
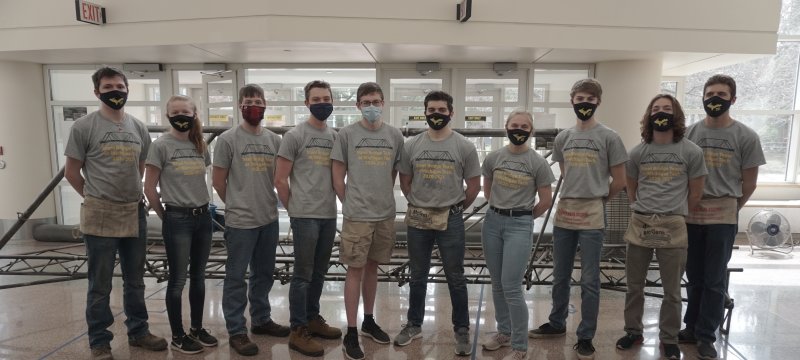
(674, 64)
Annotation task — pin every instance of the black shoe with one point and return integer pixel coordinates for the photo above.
(584, 349)
(626, 342)
(672, 352)
(351, 348)
(242, 344)
(706, 350)
(202, 336)
(185, 344)
(546, 331)
(686, 336)
(371, 329)
(271, 328)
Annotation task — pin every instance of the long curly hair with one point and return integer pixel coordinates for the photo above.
(678, 117)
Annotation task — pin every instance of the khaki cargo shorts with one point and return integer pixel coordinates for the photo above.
(362, 240)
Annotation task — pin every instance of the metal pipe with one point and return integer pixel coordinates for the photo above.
(23, 217)
(280, 130)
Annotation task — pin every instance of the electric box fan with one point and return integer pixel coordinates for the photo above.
(769, 230)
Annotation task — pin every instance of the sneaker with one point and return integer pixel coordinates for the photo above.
(186, 344)
(584, 349)
(519, 355)
(408, 334)
(626, 342)
(497, 341)
(242, 344)
(706, 350)
(351, 348)
(546, 331)
(318, 327)
(371, 329)
(300, 340)
(102, 352)
(149, 342)
(203, 337)
(463, 347)
(672, 352)
(686, 336)
(271, 328)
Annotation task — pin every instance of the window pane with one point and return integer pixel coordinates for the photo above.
(790, 18)
(413, 89)
(72, 85)
(669, 87)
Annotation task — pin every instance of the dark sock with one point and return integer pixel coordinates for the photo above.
(352, 330)
(368, 318)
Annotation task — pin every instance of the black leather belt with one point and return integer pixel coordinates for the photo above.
(510, 212)
(202, 209)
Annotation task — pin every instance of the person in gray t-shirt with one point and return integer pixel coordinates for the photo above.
(110, 147)
(304, 162)
(177, 163)
(365, 153)
(665, 177)
(242, 175)
(733, 154)
(512, 176)
(433, 168)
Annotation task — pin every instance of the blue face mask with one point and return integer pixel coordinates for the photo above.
(371, 113)
(321, 111)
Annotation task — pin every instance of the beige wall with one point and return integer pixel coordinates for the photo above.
(737, 26)
(24, 137)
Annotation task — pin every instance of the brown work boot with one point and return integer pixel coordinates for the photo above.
(242, 344)
(300, 340)
(318, 327)
(150, 342)
(102, 352)
(271, 328)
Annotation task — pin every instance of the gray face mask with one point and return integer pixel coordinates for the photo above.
(371, 113)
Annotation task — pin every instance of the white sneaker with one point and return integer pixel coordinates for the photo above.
(497, 341)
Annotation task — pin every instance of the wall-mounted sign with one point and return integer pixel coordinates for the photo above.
(474, 118)
(218, 118)
(90, 13)
(274, 118)
(416, 118)
(464, 10)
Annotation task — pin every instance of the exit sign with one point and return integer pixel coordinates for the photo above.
(90, 13)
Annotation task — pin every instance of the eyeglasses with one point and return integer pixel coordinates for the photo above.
(373, 103)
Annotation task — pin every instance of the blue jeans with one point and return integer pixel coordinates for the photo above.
(255, 247)
(313, 243)
(710, 248)
(187, 239)
(101, 253)
(451, 250)
(565, 243)
(507, 245)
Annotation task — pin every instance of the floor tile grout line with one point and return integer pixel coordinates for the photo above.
(45, 356)
(477, 325)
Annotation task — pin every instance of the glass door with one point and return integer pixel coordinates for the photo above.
(220, 99)
(406, 92)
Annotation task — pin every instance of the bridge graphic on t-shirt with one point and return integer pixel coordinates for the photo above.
(515, 166)
(185, 154)
(432, 155)
(116, 136)
(320, 143)
(661, 158)
(712, 143)
(373, 143)
(581, 144)
(257, 149)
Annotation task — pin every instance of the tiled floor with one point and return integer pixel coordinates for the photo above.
(47, 321)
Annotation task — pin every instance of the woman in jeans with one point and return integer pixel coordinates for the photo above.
(512, 176)
(177, 163)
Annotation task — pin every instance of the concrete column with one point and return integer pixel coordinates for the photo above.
(26, 144)
(628, 86)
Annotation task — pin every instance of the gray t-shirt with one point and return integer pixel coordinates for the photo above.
(111, 154)
(370, 157)
(663, 172)
(309, 150)
(588, 156)
(183, 171)
(727, 152)
(516, 177)
(250, 199)
(438, 169)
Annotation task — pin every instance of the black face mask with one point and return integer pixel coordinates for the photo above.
(584, 110)
(182, 123)
(662, 121)
(115, 99)
(437, 121)
(518, 136)
(321, 111)
(715, 106)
